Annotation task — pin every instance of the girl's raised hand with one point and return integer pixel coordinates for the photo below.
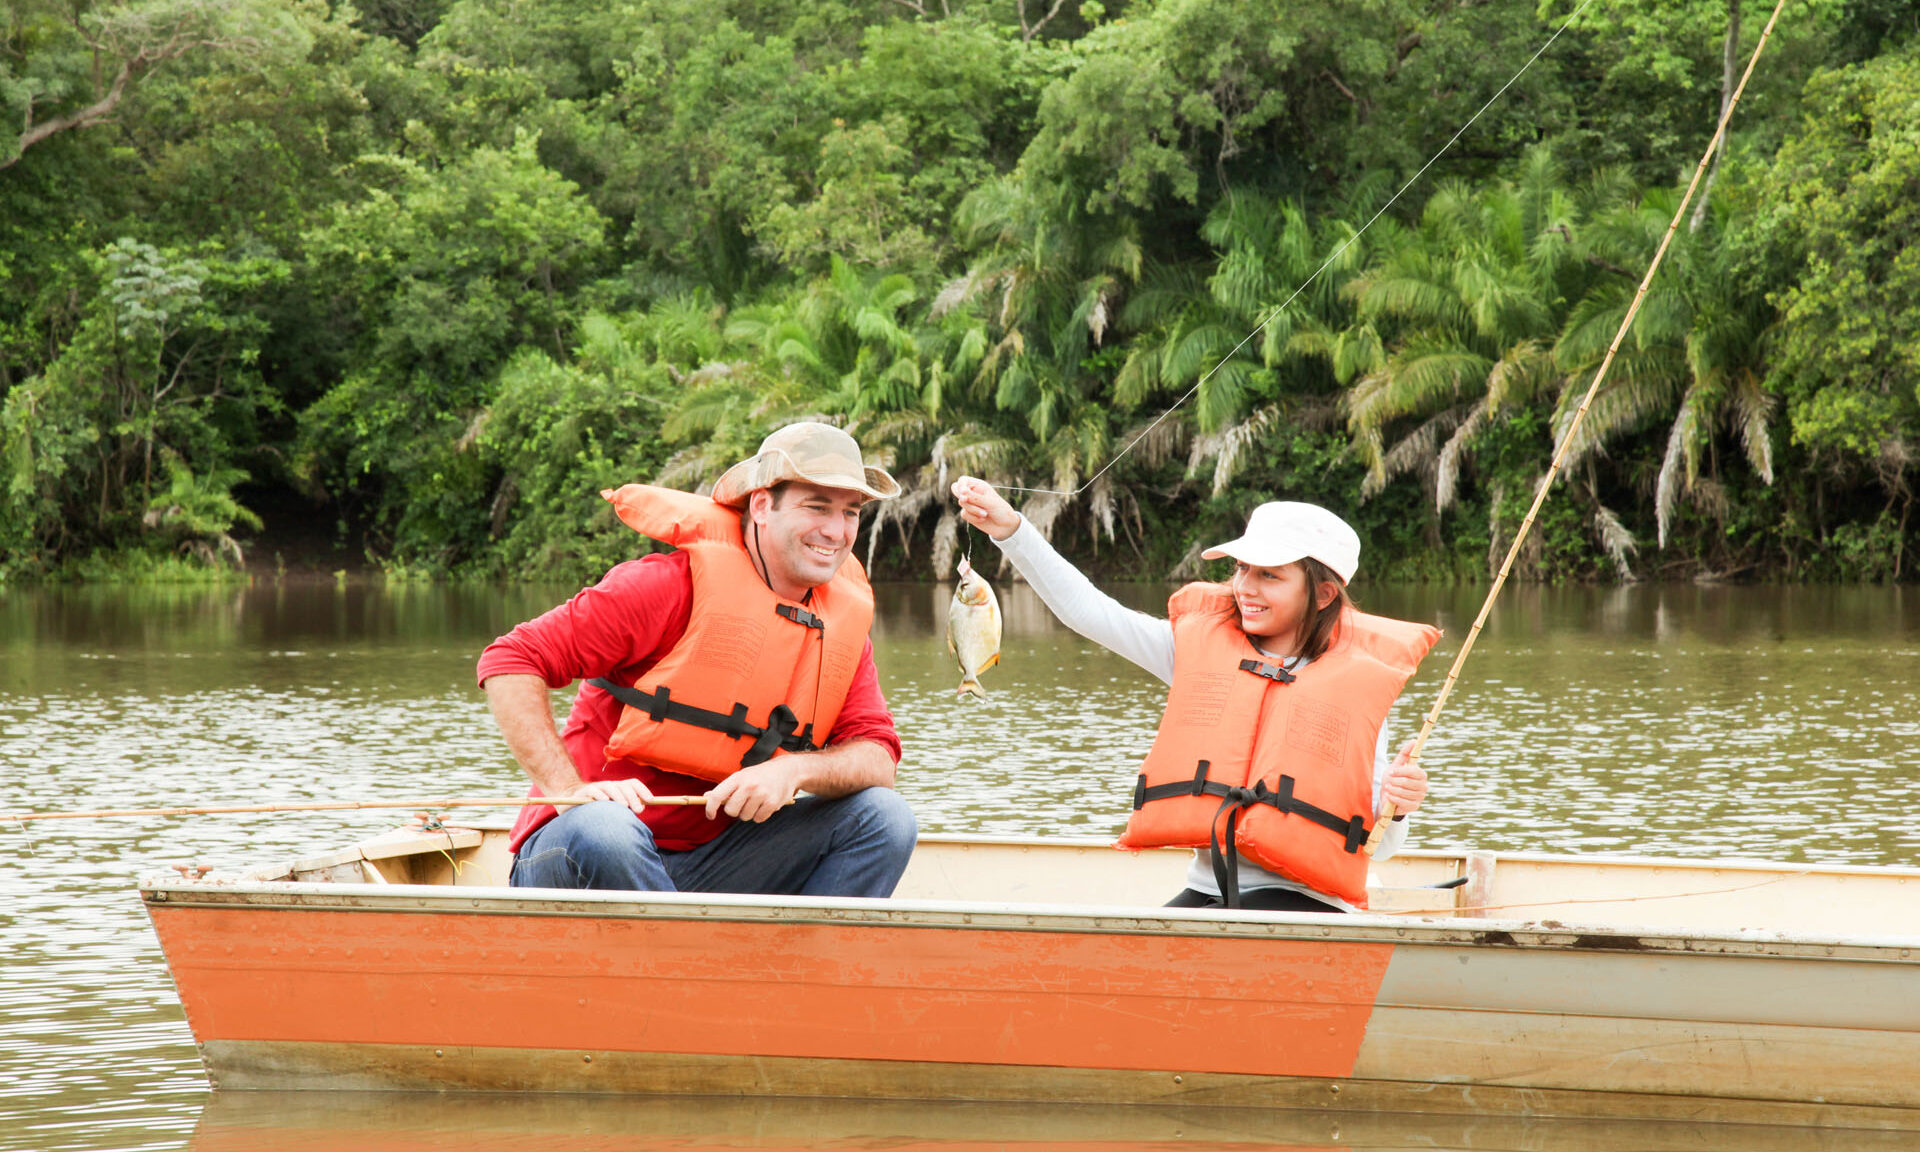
(985, 508)
(1406, 783)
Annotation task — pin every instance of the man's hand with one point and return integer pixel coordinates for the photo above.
(755, 793)
(1406, 783)
(632, 793)
(984, 508)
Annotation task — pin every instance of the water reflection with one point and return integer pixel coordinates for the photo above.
(1695, 721)
(334, 1122)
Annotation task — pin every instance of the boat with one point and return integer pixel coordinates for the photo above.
(1043, 970)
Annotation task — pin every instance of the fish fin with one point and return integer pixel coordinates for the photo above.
(991, 661)
(971, 687)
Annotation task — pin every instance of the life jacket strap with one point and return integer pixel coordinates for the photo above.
(800, 615)
(782, 731)
(1234, 800)
(1275, 672)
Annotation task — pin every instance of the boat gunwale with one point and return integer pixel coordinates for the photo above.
(1702, 863)
(1100, 919)
(1611, 860)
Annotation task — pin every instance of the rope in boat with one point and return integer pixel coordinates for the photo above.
(1308, 282)
(1567, 438)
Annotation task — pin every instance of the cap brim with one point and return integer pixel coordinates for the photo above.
(1249, 552)
(770, 468)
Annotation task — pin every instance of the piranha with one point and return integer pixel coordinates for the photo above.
(973, 629)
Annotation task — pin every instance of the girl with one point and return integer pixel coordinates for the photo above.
(1271, 758)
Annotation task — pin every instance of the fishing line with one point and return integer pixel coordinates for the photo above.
(1308, 282)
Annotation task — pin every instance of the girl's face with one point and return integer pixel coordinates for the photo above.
(1273, 601)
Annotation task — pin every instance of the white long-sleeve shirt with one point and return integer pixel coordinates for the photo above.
(1148, 641)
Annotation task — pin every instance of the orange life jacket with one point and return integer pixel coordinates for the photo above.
(755, 675)
(1278, 765)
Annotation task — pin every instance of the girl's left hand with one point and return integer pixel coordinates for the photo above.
(1406, 783)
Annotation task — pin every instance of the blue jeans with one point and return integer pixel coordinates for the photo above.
(854, 845)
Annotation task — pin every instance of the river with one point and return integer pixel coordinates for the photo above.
(1750, 722)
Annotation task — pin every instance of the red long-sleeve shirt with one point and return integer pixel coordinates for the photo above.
(618, 629)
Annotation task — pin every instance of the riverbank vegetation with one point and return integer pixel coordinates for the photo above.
(416, 280)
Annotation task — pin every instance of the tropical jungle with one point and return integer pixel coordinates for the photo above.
(409, 282)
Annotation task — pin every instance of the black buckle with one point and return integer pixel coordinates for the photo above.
(800, 615)
(781, 723)
(1274, 672)
(1356, 834)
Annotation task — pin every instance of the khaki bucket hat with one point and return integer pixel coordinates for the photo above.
(816, 453)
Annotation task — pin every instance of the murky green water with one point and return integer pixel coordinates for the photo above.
(1748, 722)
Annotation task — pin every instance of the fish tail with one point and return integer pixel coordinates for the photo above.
(971, 687)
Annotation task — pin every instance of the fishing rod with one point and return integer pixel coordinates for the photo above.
(1567, 438)
(341, 805)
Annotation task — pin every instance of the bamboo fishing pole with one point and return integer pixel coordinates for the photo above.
(338, 805)
(1580, 414)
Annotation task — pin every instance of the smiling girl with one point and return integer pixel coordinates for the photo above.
(1271, 758)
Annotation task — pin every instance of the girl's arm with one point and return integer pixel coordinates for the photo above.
(1145, 640)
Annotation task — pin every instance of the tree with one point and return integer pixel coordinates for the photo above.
(151, 400)
(1694, 359)
(1455, 321)
(440, 275)
(1847, 186)
(1218, 89)
(71, 64)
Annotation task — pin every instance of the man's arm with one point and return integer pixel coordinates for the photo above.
(525, 716)
(839, 770)
(629, 618)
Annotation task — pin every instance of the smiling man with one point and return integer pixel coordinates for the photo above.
(737, 668)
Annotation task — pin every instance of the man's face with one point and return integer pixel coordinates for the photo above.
(804, 535)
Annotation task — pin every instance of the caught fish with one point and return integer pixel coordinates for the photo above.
(973, 629)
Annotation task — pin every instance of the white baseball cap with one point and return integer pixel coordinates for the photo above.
(1283, 531)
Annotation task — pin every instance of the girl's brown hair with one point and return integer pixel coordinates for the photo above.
(1316, 628)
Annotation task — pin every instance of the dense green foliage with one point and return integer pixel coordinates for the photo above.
(422, 278)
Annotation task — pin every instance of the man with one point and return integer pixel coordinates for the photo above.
(738, 667)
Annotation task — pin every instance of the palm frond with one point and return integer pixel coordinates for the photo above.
(1618, 543)
(1673, 476)
(1446, 469)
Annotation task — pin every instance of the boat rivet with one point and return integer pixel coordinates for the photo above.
(1179, 1079)
(1334, 1088)
(1332, 1031)
(587, 1059)
(438, 1053)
